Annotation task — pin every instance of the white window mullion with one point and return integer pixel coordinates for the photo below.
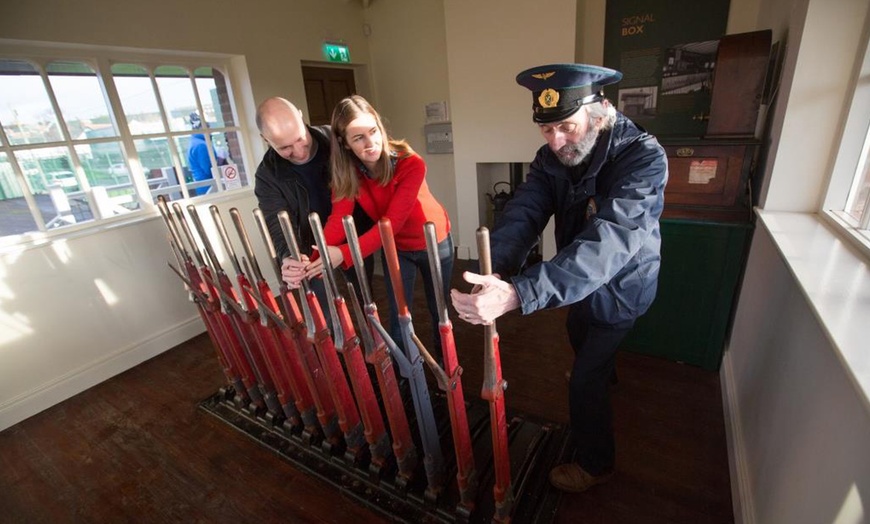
(865, 216)
(854, 189)
(137, 173)
(61, 122)
(25, 187)
(5, 147)
(170, 142)
(247, 159)
(206, 133)
(79, 171)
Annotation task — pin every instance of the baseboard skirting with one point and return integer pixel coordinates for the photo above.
(741, 492)
(75, 381)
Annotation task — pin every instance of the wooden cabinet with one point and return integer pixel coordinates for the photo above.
(708, 180)
(707, 221)
(709, 175)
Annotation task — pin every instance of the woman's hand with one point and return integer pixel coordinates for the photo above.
(293, 271)
(315, 268)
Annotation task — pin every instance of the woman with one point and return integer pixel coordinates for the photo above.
(388, 180)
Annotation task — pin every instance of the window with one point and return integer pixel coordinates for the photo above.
(847, 200)
(859, 194)
(87, 139)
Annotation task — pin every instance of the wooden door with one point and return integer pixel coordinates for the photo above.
(324, 87)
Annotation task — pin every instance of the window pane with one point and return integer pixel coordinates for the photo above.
(214, 96)
(861, 193)
(228, 152)
(109, 177)
(176, 91)
(138, 99)
(50, 175)
(16, 214)
(198, 172)
(856, 204)
(26, 112)
(81, 100)
(157, 164)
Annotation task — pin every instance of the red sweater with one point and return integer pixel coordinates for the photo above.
(405, 200)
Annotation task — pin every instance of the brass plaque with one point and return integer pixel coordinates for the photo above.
(685, 151)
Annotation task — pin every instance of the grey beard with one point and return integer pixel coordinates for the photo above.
(573, 154)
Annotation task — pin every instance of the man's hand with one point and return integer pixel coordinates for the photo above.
(293, 271)
(490, 299)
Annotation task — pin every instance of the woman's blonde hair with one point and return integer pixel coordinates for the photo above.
(344, 162)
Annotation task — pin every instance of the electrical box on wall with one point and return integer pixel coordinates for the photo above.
(439, 138)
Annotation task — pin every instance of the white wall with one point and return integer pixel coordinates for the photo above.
(799, 427)
(488, 43)
(409, 66)
(590, 31)
(78, 310)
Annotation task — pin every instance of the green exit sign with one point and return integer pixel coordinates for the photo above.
(336, 52)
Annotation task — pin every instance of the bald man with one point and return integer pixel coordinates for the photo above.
(294, 176)
(294, 172)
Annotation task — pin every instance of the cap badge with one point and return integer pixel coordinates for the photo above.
(549, 98)
(543, 76)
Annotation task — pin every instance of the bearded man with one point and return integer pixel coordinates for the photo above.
(602, 178)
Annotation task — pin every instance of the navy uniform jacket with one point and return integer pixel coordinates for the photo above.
(608, 251)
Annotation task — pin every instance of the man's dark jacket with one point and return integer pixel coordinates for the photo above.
(607, 213)
(279, 187)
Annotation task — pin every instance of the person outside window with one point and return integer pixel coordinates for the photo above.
(197, 156)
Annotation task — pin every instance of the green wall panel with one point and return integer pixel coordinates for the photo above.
(690, 318)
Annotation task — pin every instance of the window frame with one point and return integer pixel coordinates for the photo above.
(101, 59)
(852, 157)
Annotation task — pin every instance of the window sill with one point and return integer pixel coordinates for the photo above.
(847, 230)
(14, 244)
(835, 279)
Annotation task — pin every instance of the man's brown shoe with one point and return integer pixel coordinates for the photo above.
(572, 478)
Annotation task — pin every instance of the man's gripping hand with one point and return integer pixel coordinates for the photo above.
(490, 298)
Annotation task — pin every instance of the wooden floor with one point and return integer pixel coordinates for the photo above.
(136, 449)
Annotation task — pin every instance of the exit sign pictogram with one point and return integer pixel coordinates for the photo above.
(336, 52)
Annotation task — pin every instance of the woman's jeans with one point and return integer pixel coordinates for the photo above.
(410, 262)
